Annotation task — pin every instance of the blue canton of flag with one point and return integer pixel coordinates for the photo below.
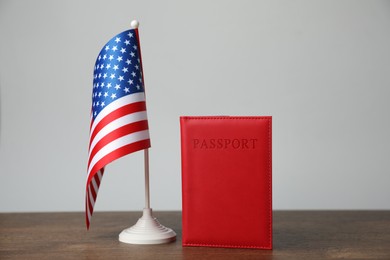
(117, 71)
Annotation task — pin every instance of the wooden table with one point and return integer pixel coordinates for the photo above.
(297, 235)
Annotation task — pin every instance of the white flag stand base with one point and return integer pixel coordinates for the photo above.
(147, 231)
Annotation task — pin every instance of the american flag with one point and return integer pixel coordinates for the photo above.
(119, 124)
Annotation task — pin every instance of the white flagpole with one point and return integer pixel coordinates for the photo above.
(147, 230)
(135, 24)
(147, 194)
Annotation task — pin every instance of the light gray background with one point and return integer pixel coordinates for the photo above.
(320, 68)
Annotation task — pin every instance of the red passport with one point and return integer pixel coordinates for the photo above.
(227, 181)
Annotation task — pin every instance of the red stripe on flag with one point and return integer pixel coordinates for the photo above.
(90, 206)
(118, 153)
(97, 180)
(93, 191)
(118, 133)
(120, 112)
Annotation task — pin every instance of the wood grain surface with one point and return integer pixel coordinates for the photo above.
(297, 235)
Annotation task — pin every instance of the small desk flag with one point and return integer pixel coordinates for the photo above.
(119, 124)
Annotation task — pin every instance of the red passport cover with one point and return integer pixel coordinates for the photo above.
(227, 181)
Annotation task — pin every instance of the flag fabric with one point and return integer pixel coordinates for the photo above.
(119, 124)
